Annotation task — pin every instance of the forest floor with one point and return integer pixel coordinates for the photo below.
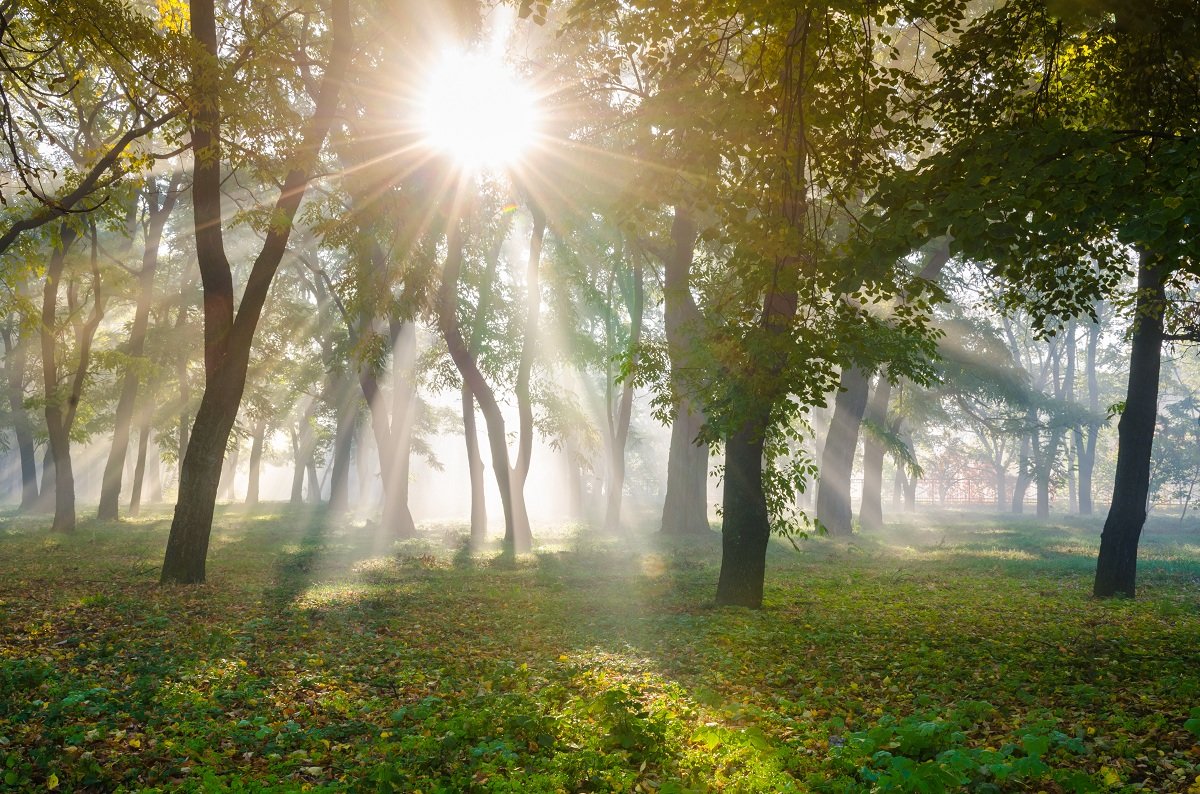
(955, 650)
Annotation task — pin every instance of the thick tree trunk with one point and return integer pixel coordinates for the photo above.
(475, 469)
(746, 527)
(685, 511)
(159, 211)
(837, 458)
(870, 512)
(16, 357)
(228, 337)
(256, 453)
(1043, 466)
(1116, 566)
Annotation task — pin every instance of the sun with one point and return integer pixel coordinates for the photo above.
(477, 112)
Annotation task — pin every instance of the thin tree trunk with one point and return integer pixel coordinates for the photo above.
(15, 360)
(1022, 483)
(837, 458)
(529, 347)
(475, 468)
(1116, 565)
(870, 512)
(616, 485)
(1087, 449)
(159, 210)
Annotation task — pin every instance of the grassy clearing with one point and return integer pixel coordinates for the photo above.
(953, 653)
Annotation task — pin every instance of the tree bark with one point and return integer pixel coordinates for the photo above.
(1116, 565)
(685, 511)
(159, 210)
(870, 512)
(837, 458)
(228, 336)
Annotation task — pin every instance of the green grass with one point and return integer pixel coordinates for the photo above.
(959, 652)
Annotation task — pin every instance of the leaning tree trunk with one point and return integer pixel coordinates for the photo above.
(837, 458)
(139, 468)
(1116, 565)
(228, 336)
(464, 361)
(343, 440)
(870, 512)
(685, 511)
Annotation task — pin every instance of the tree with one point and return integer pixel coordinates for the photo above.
(228, 335)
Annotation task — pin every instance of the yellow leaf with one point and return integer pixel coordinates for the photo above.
(52, 782)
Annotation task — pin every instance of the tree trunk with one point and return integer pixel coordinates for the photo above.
(870, 512)
(397, 517)
(159, 211)
(16, 357)
(475, 468)
(620, 428)
(228, 480)
(256, 453)
(515, 541)
(60, 407)
(139, 469)
(685, 511)
(1116, 566)
(296, 495)
(1087, 449)
(228, 336)
(837, 458)
(746, 527)
(343, 439)
(529, 347)
(1022, 483)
